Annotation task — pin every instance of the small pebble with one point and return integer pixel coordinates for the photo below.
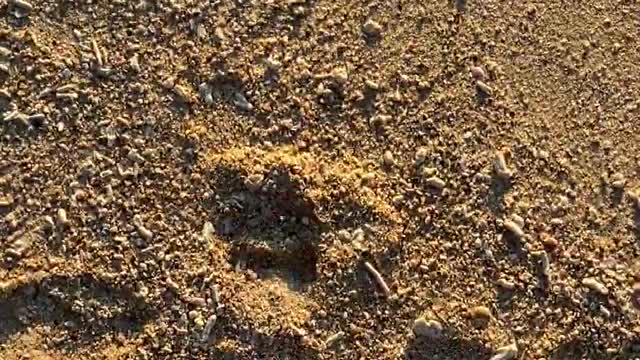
(134, 63)
(182, 93)
(134, 156)
(5, 52)
(506, 284)
(436, 182)
(501, 168)
(549, 241)
(618, 181)
(272, 64)
(61, 217)
(358, 235)
(340, 75)
(372, 85)
(144, 232)
(484, 88)
(478, 73)
(388, 159)
(518, 220)
(193, 314)
(508, 352)
(344, 235)
(480, 312)
(514, 229)
(372, 28)
(5, 68)
(427, 328)
(595, 285)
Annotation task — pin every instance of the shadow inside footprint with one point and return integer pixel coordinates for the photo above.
(446, 347)
(82, 307)
(271, 224)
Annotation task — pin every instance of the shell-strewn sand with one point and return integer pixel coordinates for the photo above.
(319, 179)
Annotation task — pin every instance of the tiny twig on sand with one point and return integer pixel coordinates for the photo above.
(376, 275)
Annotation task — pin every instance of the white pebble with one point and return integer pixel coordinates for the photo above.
(514, 229)
(61, 217)
(486, 89)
